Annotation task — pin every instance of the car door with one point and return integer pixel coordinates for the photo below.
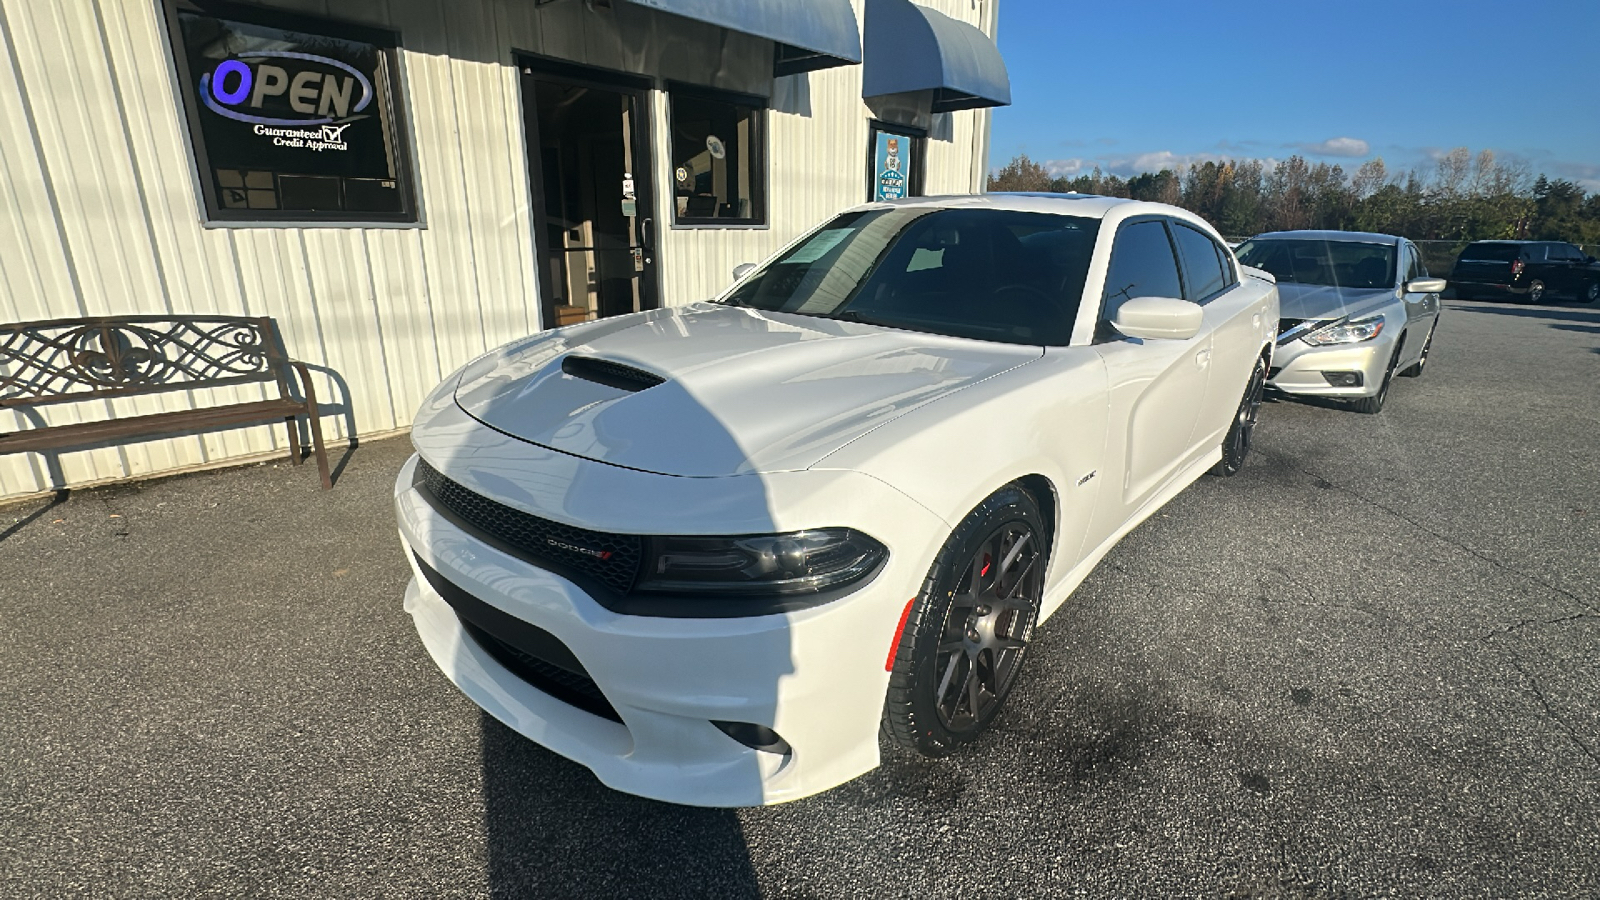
(1156, 388)
(1544, 263)
(1233, 317)
(1570, 267)
(1421, 309)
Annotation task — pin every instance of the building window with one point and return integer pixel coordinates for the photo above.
(292, 119)
(894, 161)
(719, 166)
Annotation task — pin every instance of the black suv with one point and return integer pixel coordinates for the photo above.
(1529, 270)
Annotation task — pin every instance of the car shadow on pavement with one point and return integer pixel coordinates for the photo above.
(1276, 396)
(554, 831)
(1591, 316)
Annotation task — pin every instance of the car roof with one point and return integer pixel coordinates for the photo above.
(1355, 237)
(1087, 205)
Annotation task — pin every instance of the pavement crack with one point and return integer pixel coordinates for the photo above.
(1533, 687)
(1442, 538)
(1526, 622)
(116, 518)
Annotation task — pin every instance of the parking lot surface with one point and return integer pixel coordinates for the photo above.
(1368, 665)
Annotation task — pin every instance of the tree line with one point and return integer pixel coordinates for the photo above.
(1462, 197)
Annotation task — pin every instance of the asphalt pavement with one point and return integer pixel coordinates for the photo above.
(1369, 665)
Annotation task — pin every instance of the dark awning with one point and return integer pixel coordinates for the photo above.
(913, 48)
(810, 34)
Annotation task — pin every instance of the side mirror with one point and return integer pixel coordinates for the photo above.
(1425, 285)
(1159, 318)
(743, 269)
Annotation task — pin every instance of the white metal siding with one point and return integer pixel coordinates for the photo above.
(99, 213)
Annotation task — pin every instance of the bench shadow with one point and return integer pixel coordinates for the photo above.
(59, 498)
(555, 831)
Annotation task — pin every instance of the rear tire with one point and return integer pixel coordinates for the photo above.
(1374, 404)
(1536, 291)
(964, 640)
(1236, 443)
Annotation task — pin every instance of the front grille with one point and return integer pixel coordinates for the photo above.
(569, 687)
(610, 559)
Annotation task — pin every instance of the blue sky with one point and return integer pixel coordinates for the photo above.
(1134, 87)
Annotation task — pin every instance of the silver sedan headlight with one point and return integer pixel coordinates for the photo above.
(1346, 332)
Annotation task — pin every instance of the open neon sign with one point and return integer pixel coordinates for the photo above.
(233, 88)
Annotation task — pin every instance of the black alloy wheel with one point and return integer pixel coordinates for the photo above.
(1535, 291)
(1415, 369)
(1236, 443)
(1374, 404)
(965, 638)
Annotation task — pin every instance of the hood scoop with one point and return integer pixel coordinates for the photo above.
(610, 374)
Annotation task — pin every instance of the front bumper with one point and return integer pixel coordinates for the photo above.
(815, 676)
(1299, 367)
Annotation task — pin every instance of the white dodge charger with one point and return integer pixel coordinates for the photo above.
(712, 552)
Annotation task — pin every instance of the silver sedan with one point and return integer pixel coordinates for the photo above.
(1357, 309)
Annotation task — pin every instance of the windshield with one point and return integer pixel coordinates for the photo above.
(1335, 263)
(988, 274)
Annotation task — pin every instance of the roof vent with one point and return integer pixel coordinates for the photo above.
(610, 374)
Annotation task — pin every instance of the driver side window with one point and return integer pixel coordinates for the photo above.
(1142, 265)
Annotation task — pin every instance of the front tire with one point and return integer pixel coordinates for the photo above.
(1590, 292)
(1236, 443)
(1415, 369)
(1374, 404)
(964, 640)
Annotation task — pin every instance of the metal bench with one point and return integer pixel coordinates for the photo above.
(78, 360)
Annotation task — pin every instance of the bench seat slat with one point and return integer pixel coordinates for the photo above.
(151, 427)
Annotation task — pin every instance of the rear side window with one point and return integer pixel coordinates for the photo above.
(1202, 267)
(1489, 253)
(1142, 265)
(1414, 266)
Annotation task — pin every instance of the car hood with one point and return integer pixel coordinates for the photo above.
(1317, 301)
(709, 390)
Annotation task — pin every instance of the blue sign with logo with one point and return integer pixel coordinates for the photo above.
(891, 166)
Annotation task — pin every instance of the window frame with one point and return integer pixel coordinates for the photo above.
(760, 159)
(1183, 271)
(1104, 333)
(915, 184)
(212, 212)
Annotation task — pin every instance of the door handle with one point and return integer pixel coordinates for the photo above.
(647, 232)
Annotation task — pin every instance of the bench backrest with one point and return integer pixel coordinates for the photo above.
(67, 360)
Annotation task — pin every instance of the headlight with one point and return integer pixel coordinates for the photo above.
(1347, 332)
(799, 562)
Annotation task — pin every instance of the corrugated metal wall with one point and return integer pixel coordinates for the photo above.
(99, 213)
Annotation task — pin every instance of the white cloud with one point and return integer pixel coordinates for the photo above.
(1127, 166)
(1339, 146)
(1066, 168)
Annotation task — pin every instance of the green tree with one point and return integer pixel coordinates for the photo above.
(1021, 174)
